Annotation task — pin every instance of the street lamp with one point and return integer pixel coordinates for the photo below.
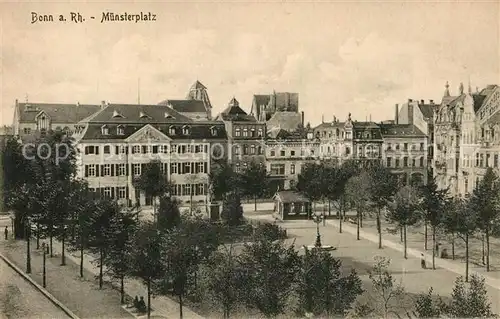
(28, 239)
(44, 248)
(318, 217)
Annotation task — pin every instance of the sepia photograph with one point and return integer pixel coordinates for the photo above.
(249, 159)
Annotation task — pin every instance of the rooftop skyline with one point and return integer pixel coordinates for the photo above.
(340, 57)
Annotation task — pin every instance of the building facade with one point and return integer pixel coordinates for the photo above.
(336, 140)
(367, 143)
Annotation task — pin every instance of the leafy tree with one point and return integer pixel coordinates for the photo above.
(358, 193)
(232, 212)
(269, 231)
(153, 182)
(470, 301)
(254, 179)
(382, 188)
(433, 205)
(223, 180)
(270, 269)
(385, 289)
(169, 215)
(428, 306)
(310, 182)
(226, 283)
(146, 256)
(321, 289)
(460, 219)
(485, 201)
(405, 210)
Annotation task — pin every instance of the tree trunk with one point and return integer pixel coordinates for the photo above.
(155, 216)
(149, 298)
(180, 305)
(101, 262)
(255, 203)
(81, 260)
(51, 242)
(357, 225)
(401, 233)
(466, 257)
(329, 208)
(28, 252)
(379, 229)
(405, 242)
(361, 220)
(122, 290)
(482, 249)
(191, 202)
(487, 249)
(63, 254)
(425, 235)
(340, 220)
(37, 235)
(434, 247)
(453, 246)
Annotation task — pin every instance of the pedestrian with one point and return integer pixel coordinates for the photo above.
(6, 233)
(136, 302)
(142, 305)
(437, 249)
(422, 261)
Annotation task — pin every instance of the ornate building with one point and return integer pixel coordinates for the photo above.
(196, 106)
(336, 140)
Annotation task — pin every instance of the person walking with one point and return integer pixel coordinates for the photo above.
(6, 231)
(422, 261)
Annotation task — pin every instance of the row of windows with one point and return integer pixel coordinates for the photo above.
(279, 169)
(292, 153)
(147, 149)
(177, 190)
(189, 189)
(186, 130)
(404, 147)
(246, 150)
(96, 170)
(405, 162)
(482, 160)
(248, 133)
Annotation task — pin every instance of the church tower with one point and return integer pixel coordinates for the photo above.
(198, 92)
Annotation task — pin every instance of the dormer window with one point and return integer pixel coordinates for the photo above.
(104, 130)
(171, 130)
(213, 131)
(168, 116)
(120, 130)
(185, 130)
(143, 115)
(117, 115)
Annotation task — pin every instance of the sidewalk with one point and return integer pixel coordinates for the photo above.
(162, 307)
(81, 296)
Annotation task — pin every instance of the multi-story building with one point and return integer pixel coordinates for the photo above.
(466, 133)
(196, 105)
(265, 105)
(366, 143)
(286, 155)
(246, 136)
(336, 140)
(405, 152)
(115, 144)
(41, 117)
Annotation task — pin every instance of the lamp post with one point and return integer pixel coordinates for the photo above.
(318, 217)
(44, 280)
(28, 253)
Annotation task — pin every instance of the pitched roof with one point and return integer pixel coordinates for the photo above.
(427, 110)
(364, 125)
(58, 112)
(482, 96)
(447, 99)
(186, 106)
(288, 196)
(197, 85)
(289, 121)
(137, 113)
(400, 130)
(197, 130)
(261, 99)
(327, 125)
(234, 112)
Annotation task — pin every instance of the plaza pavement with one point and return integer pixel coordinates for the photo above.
(360, 254)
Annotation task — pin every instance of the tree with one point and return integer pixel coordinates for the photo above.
(254, 179)
(358, 193)
(433, 205)
(460, 219)
(386, 291)
(428, 306)
(469, 301)
(223, 180)
(405, 210)
(232, 212)
(169, 215)
(382, 187)
(270, 269)
(310, 182)
(146, 256)
(321, 288)
(153, 182)
(485, 201)
(226, 282)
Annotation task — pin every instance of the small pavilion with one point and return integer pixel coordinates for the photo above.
(289, 204)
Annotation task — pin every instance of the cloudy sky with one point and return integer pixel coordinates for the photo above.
(340, 57)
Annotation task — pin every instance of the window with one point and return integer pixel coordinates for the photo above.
(477, 159)
(185, 130)
(121, 149)
(186, 168)
(155, 149)
(91, 170)
(171, 130)
(107, 192)
(199, 167)
(481, 160)
(389, 160)
(292, 153)
(213, 131)
(466, 185)
(421, 161)
(136, 149)
(120, 130)
(173, 168)
(104, 130)
(278, 169)
(245, 132)
(122, 192)
(107, 149)
(237, 168)
(347, 151)
(495, 160)
(272, 153)
(106, 170)
(27, 130)
(413, 162)
(136, 168)
(282, 153)
(421, 146)
(260, 134)
(245, 149)
(397, 147)
(92, 149)
(302, 152)
(236, 149)
(121, 170)
(237, 132)
(163, 148)
(292, 169)
(186, 189)
(145, 149)
(252, 132)
(405, 161)
(396, 164)
(252, 149)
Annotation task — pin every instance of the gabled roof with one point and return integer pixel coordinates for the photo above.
(186, 106)
(131, 113)
(400, 130)
(427, 110)
(58, 112)
(234, 112)
(478, 101)
(328, 125)
(288, 196)
(197, 85)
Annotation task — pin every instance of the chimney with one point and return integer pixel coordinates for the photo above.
(396, 119)
(77, 103)
(410, 100)
(422, 102)
(431, 102)
(103, 104)
(302, 113)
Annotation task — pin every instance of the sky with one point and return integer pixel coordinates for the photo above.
(360, 58)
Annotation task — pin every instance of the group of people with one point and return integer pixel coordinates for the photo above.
(139, 304)
(444, 254)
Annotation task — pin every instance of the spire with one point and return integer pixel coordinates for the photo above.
(461, 88)
(470, 88)
(447, 90)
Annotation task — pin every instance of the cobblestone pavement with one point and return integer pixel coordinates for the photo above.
(360, 254)
(82, 296)
(19, 299)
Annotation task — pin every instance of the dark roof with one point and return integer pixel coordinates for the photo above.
(447, 99)
(58, 113)
(290, 197)
(427, 110)
(186, 106)
(289, 121)
(131, 113)
(478, 101)
(400, 130)
(197, 85)
(197, 131)
(329, 125)
(234, 112)
(261, 99)
(364, 125)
